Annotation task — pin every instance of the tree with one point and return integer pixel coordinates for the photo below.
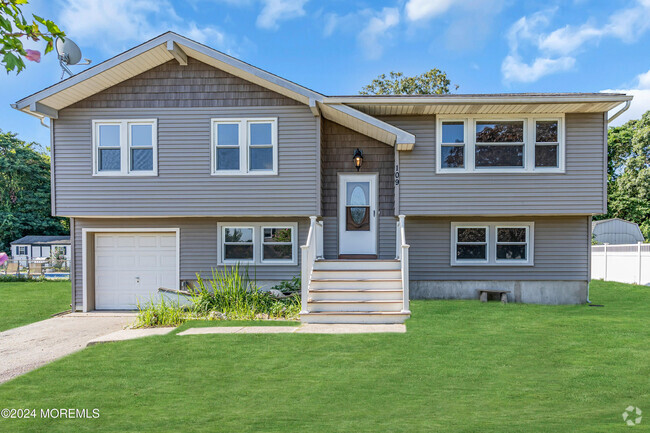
(25, 192)
(14, 26)
(433, 82)
(628, 173)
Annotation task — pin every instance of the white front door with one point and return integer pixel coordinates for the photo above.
(358, 214)
(130, 267)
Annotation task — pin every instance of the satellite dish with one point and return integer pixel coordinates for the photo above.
(69, 54)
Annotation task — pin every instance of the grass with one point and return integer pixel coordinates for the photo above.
(30, 301)
(462, 366)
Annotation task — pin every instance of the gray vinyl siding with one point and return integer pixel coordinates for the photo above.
(198, 245)
(184, 185)
(561, 245)
(386, 242)
(580, 190)
(184, 99)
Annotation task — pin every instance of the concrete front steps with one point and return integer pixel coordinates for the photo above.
(355, 291)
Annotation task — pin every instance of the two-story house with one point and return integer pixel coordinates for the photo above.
(173, 158)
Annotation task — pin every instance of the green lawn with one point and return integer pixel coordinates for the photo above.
(26, 302)
(462, 366)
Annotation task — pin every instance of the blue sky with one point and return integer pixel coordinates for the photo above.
(337, 46)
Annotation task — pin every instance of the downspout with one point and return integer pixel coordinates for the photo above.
(619, 112)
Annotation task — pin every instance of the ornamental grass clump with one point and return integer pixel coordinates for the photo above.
(162, 313)
(233, 293)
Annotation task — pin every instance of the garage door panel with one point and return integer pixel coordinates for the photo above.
(131, 267)
(150, 241)
(168, 242)
(126, 241)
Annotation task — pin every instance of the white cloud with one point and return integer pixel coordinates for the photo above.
(644, 81)
(514, 69)
(116, 25)
(374, 36)
(279, 10)
(640, 103)
(556, 50)
(424, 9)
(376, 27)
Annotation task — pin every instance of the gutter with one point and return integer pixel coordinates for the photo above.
(41, 118)
(619, 112)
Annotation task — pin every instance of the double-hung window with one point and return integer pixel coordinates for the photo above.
(547, 144)
(471, 244)
(125, 147)
(479, 143)
(21, 251)
(238, 244)
(244, 146)
(452, 147)
(258, 243)
(504, 244)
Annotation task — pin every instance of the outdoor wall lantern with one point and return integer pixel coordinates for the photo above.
(358, 158)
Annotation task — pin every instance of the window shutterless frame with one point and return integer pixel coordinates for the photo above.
(223, 243)
(491, 237)
(244, 146)
(258, 242)
(292, 243)
(529, 143)
(455, 243)
(125, 147)
(526, 227)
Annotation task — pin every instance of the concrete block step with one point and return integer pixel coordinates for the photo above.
(355, 317)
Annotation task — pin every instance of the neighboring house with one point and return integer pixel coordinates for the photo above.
(173, 158)
(616, 231)
(40, 247)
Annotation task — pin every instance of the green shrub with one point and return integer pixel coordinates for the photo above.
(162, 313)
(235, 294)
(288, 287)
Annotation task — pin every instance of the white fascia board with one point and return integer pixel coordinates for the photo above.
(487, 99)
(403, 140)
(180, 42)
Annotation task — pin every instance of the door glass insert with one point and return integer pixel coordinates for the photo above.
(357, 205)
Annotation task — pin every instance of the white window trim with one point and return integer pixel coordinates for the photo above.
(18, 249)
(294, 233)
(258, 233)
(222, 238)
(244, 145)
(529, 143)
(492, 243)
(454, 231)
(125, 147)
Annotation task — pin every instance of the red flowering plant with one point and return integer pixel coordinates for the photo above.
(14, 28)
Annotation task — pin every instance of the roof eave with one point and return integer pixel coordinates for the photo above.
(423, 100)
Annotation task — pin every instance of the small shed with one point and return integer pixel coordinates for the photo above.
(616, 231)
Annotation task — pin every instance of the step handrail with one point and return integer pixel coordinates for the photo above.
(312, 250)
(403, 257)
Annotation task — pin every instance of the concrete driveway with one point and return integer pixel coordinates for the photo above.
(31, 346)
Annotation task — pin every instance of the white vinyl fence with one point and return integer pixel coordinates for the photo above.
(622, 263)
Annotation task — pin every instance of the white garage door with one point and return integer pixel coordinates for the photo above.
(130, 267)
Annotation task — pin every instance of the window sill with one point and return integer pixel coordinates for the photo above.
(239, 174)
(148, 174)
(502, 171)
(234, 263)
(501, 264)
